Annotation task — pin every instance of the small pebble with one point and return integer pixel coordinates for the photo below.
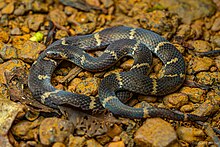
(216, 25)
(155, 132)
(8, 9)
(175, 100)
(89, 86)
(92, 143)
(190, 135)
(201, 46)
(76, 141)
(194, 94)
(20, 10)
(198, 64)
(116, 144)
(54, 130)
(116, 130)
(16, 31)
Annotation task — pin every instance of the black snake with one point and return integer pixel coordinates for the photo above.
(120, 41)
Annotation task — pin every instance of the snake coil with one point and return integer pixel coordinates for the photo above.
(119, 42)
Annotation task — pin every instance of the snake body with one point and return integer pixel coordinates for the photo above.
(120, 41)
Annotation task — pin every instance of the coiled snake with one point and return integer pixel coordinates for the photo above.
(120, 41)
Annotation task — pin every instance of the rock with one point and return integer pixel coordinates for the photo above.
(127, 139)
(85, 28)
(92, 143)
(180, 48)
(147, 98)
(217, 62)
(9, 111)
(58, 144)
(190, 10)
(8, 9)
(201, 46)
(187, 108)
(216, 40)
(127, 64)
(185, 31)
(30, 51)
(206, 109)
(25, 29)
(54, 130)
(89, 86)
(8, 52)
(116, 130)
(9, 66)
(107, 3)
(18, 41)
(160, 22)
(190, 135)
(116, 144)
(16, 31)
(58, 16)
(61, 34)
(81, 18)
(203, 144)
(73, 84)
(4, 36)
(2, 4)
(27, 130)
(198, 64)
(39, 6)
(103, 139)
(208, 78)
(197, 28)
(69, 10)
(85, 74)
(20, 10)
(194, 94)
(175, 100)
(155, 132)
(216, 24)
(35, 21)
(75, 141)
(4, 94)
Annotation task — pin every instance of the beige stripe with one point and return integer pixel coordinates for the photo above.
(107, 99)
(176, 75)
(97, 38)
(47, 94)
(159, 45)
(35, 62)
(146, 113)
(112, 53)
(118, 77)
(174, 60)
(92, 103)
(140, 65)
(63, 41)
(185, 117)
(42, 77)
(83, 60)
(182, 75)
(154, 89)
(51, 60)
(135, 47)
(132, 33)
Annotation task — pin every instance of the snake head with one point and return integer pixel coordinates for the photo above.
(56, 54)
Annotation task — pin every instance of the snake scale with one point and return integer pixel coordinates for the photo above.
(118, 42)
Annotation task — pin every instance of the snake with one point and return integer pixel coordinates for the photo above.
(117, 42)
